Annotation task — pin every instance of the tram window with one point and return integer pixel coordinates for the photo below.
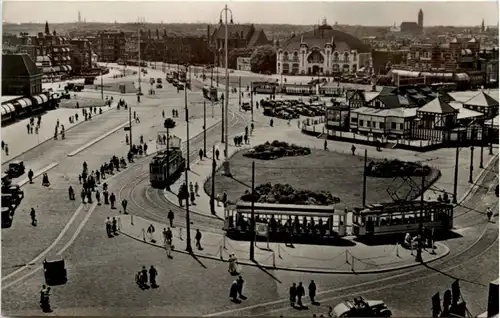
(362, 220)
(396, 219)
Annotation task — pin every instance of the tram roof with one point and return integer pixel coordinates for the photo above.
(288, 209)
(394, 206)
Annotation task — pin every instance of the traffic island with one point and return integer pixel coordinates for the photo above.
(356, 259)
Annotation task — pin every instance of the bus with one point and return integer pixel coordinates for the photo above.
(285, 220)
(401, 217)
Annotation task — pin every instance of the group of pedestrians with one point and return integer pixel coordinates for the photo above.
(141, 278)
(191, 195)
(297, 292)
(111, 227)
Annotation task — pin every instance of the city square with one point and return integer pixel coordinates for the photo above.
(234, 169)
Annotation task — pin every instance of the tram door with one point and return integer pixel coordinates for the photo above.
(370, 225)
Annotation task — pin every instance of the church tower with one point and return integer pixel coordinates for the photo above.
(421, 19)
(47, 31)
(482, 26)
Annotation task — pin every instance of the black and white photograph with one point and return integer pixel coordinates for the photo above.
(250, 158)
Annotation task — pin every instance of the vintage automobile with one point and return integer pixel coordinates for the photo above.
(54, 270)
(246, 106)
(361, 308)
(16, 169)
(180, 87)
(159, 86)
(158, 80)
(7, 216)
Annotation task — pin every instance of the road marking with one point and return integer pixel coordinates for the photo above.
(38, 173)
(65, 229)
(87, 145)
(275, 302)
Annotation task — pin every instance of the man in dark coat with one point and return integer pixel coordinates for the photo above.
(124, 205)
(312, 291)
(170, 217)
(293, 294)
(217, 153)
(71, 193)
(353, 149)
(30, 175)
(233, 292)
(144, 274)
(198, 239)
(300, 293)
(152, 277)
(200, 153)
(112, 200)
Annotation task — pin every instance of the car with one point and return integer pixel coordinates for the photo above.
(246, 106)
(159, 86)
(180, 87)
(361, 308)
(16, 169)
(158, 80)
(54, 270)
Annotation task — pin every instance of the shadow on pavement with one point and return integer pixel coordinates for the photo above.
(265, 271)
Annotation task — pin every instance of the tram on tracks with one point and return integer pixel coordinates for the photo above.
(402, 217)
(165, 168)
(210, 93)
(286, 220)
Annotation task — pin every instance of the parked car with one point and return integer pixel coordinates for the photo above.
(16, 169)
(246, 106)
(159, 86)
(55, 271)
(361, 308)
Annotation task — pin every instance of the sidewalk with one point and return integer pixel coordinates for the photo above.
(19, 141)
(358, 259)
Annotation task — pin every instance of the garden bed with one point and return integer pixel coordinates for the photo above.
(336, 173)
(275, 150)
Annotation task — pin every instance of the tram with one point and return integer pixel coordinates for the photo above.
(402, 217)
(158, 175)
(210, 93)
(285, 220)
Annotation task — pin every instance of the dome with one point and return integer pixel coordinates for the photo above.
(322, 35)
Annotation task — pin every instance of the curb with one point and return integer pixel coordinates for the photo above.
(474, 186)
(304, 270)
(89, 144)
(48, 139)
(38, 173)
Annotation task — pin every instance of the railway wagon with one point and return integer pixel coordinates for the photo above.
(165, 168)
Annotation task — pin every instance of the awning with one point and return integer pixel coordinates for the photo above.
(57, 69)
(463, 77)
(70, 68)
(47, 70)
(24, 102)
(7, 108)
(64, 68)
(41, 98)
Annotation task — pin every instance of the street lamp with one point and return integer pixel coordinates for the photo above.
(226, 99)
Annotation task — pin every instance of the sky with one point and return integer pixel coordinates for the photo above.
(369, 13)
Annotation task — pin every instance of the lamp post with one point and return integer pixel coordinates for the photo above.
(187, 125)
(139, 60)
(226, 99)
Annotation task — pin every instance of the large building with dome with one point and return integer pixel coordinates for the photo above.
(322, 51)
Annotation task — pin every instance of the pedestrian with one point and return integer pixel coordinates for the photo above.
(152, 277)
(489, 214)
(246, 139)
(200, 153)
(6, 149)
(144, 276)
(240, 287)
(71, 193)
(145, 149)
(3, 144)
(112, 200)
(224, 198)
(196, 188)
(108, 227)
(106, 196)
(80, 179)
(198, 239)
(151, 231)
(325, 145)
(89, 195)
(293, 294)
(114, 227)
(30, 176)
(83, 194)
(192, 196)
(217, 153)
(353, 149)
(170, 217)
(28, 127)
(251, 128)
(271, 122)
(233, 291)
(217, 198)
(191, 187)
(33, 217)
(300, 293)
(124, 205)
(312, 291)
(98, 197)
(163, 113)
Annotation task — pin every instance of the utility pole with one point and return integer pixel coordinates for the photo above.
(252, 232)
(168, 159)
(364, 178)
(418, 258)
(251, 98)
(189, 249)
(139, 57)
(455, 181)
(205, 129)
(471, 167)
(187, 126)
(481, 166)
(239, 92)
(226, 9)
(212, 197)
(102, 89)
(130, 127)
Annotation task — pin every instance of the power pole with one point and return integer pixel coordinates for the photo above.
(189, 249)
(168, 160)
(364, 178)
(102, 89)
(252, 232)
(471, 167)
(455, 181)
(481, 166)
(130, 127)
(212, 197)
(251, 98)
(205, 129)
(227, 82)
(418, 258)
(239, 92)
(187, 125)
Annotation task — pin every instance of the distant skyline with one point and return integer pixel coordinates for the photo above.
(369, 13)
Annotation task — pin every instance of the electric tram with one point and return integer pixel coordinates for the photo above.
(210, 93)
(402, 217)
(165, 168)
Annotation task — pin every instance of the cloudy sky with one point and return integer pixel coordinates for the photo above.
(355, 13)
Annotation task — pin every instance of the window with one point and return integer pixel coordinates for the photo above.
(393, 125)
(353, 119)
(368, 123)
(381, 125)
(361, 123)
(401, 126)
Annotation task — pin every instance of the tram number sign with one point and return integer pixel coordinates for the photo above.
(262, 229)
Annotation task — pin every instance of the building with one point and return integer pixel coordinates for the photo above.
(111, 46)
(413, 27)
(322, 51)
(21, 87)
(81, 55)
(243, 64)
(239, 36)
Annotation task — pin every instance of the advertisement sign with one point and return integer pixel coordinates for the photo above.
(261, 229)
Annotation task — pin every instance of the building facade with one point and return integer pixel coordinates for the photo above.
(323, 51)
(243, 64)
(111, 46)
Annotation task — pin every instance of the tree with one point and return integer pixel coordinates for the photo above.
(239, 52)
(263, 60)
(168, 124)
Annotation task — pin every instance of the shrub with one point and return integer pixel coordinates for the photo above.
(276, 149)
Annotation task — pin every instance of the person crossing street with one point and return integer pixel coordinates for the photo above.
(124, 206)
(170, 217)
(33, 217)
(112, 200)
(30, 176)
(198, 239)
